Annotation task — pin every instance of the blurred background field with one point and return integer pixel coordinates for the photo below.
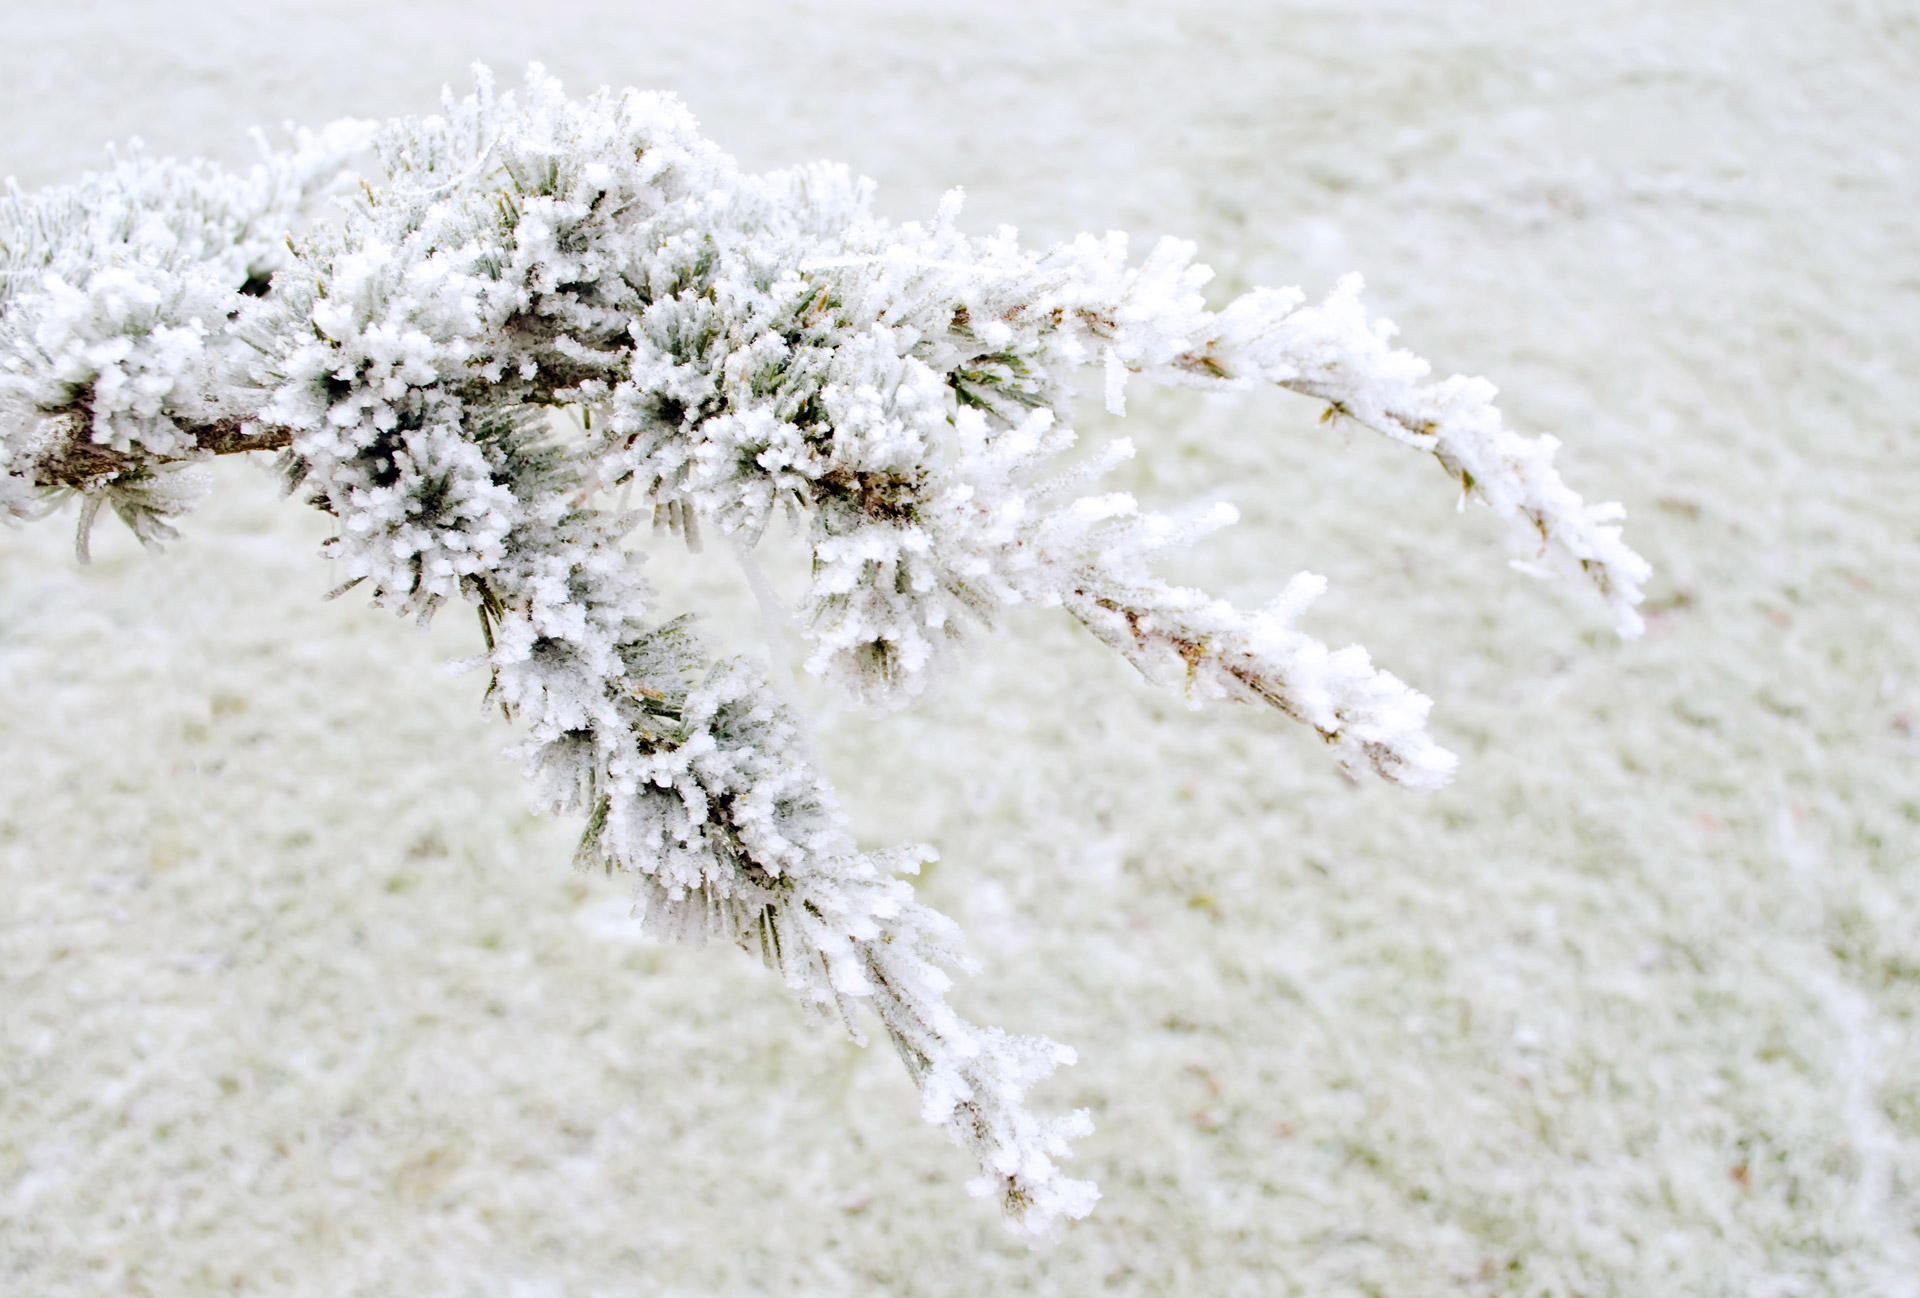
(295, 998)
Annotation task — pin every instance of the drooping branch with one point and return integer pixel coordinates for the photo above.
(738, 346)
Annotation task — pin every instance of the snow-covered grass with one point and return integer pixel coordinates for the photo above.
(294, 997)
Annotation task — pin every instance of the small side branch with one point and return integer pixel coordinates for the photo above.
(78, 462)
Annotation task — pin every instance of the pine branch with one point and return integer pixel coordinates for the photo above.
(737, 347)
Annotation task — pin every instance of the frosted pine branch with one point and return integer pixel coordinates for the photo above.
(738, 349)
(1334, 353)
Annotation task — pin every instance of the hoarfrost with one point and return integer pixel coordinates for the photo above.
(738, 347)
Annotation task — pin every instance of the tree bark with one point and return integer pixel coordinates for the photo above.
(78, 460)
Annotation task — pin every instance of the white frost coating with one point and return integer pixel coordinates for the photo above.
(1332, 352)
(115, 295)
(738, 347)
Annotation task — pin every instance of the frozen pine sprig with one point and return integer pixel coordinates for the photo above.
(733, 351)
(1334, 353)
(230, 225)
(730, 832)
(116, 296)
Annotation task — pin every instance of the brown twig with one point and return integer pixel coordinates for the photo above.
(78, 461)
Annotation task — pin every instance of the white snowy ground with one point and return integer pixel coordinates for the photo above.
(295, 999)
